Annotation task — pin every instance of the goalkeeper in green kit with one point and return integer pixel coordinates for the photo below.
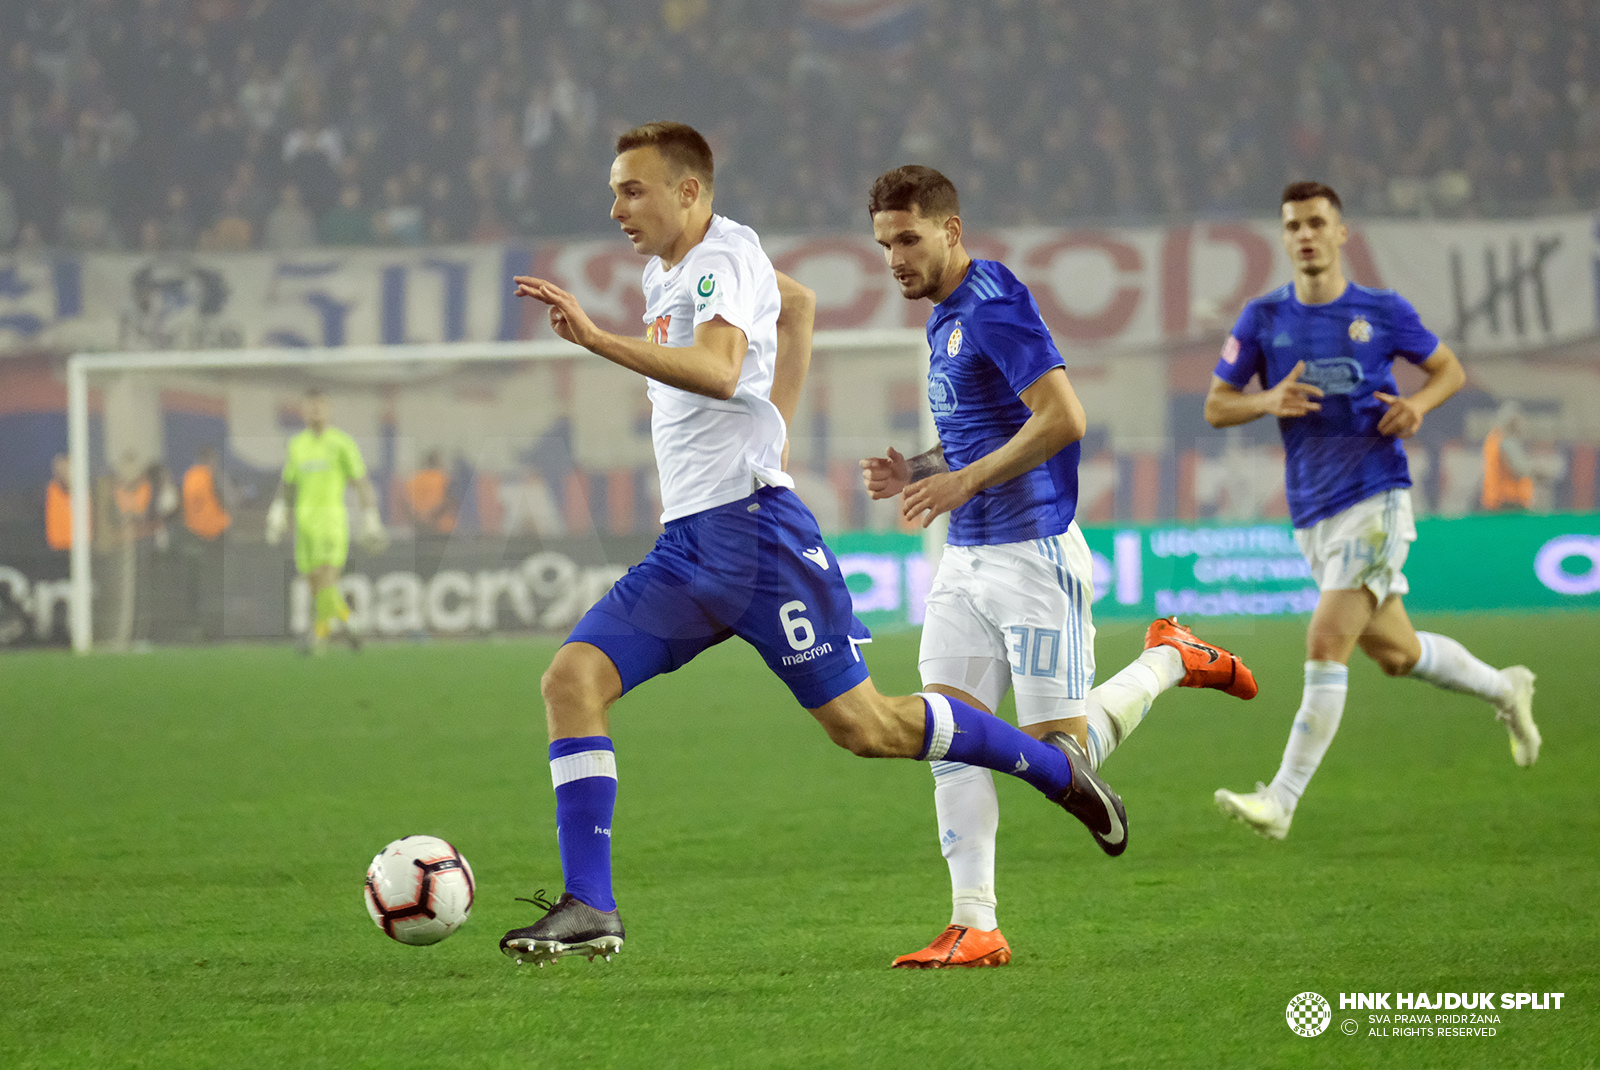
(321, 461)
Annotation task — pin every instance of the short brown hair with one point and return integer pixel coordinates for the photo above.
(679, 143)
(1306, 191)
(914, 186)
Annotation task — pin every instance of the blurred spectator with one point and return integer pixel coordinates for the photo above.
(1044, 111)
(58, 504)
(428, 497)
(1512, 473)
(312, 152)
(347, 222)
(448, 211)
(177, 229)
(290, 225)
(204, 514)
(398, 220)
(232, 230)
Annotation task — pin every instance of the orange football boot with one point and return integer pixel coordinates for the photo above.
(1204, 664)
(959, 946)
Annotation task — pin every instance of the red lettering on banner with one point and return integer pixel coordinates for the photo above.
(1118, 312)
(858, 313)
(1358, 258)
(602, 270)
(534, 314)
(1257, 253)
(1176, 264)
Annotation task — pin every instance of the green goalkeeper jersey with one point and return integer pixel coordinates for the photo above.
(320, 466)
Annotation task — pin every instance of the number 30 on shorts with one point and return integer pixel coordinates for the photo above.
(1035, 651)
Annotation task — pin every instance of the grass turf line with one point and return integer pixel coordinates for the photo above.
(189, 828)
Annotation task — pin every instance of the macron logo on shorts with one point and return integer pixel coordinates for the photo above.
(817, 556)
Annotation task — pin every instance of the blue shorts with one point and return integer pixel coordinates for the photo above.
(756, 568)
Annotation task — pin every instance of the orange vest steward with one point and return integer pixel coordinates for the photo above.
(58, 516)
(203, 514)
(1500, 487)
(426, 491)
(135, 500)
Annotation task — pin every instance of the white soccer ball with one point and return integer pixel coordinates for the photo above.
(419, 889)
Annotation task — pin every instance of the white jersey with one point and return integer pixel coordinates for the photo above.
(711, 452)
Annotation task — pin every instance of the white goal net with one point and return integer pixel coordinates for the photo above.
(516, 480)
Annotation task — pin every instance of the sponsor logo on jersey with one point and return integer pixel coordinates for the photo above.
(953, 345)
(657, 331)
(1360, 329)
(817, 556)
(941, 395)
(1230, 350)
(1340, 375)
(707, 285)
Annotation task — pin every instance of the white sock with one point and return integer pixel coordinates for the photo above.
(1446, 663)
(1117, 706)
(1321, 707)
(969, 818)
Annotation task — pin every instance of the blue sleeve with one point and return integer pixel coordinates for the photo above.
(1010, 332)
(1242, 358)
(1411, 339)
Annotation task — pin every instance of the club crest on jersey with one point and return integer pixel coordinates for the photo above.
(941, 395)
(953, 345)
(1360, 329)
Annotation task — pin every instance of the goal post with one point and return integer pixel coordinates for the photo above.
(866, 390)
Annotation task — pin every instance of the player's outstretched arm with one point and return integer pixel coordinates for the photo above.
(711, 366)
(1445, 377)
(1228, 406)
(373, 538)
(1057, 421)
(278, 513)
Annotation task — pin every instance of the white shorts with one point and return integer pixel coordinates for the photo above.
(1014, 615)
(1364, 546)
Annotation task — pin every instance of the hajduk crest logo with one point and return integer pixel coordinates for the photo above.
(1360, 329)
(953, 345)
(1308, 1014)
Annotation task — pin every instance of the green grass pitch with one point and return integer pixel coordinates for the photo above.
(187, 832)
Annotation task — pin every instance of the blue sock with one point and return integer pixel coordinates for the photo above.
(956, 732)
(584, 770)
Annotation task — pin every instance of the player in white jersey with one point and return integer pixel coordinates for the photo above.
(741, 555)
(1010, 605)
(1322, 349)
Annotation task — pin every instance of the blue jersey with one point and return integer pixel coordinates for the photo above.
(988, 345)
(1335, 457)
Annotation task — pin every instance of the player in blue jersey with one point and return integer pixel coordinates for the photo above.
(741, 555)
(1010, 605)
(1323, 348)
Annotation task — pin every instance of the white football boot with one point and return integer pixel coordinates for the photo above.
(1260, 809)
(1517, 715)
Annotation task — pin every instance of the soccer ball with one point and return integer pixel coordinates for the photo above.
(419, 889)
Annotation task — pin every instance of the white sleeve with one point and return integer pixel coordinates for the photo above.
(723, 287)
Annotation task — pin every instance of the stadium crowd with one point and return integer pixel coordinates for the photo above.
(231, 124)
